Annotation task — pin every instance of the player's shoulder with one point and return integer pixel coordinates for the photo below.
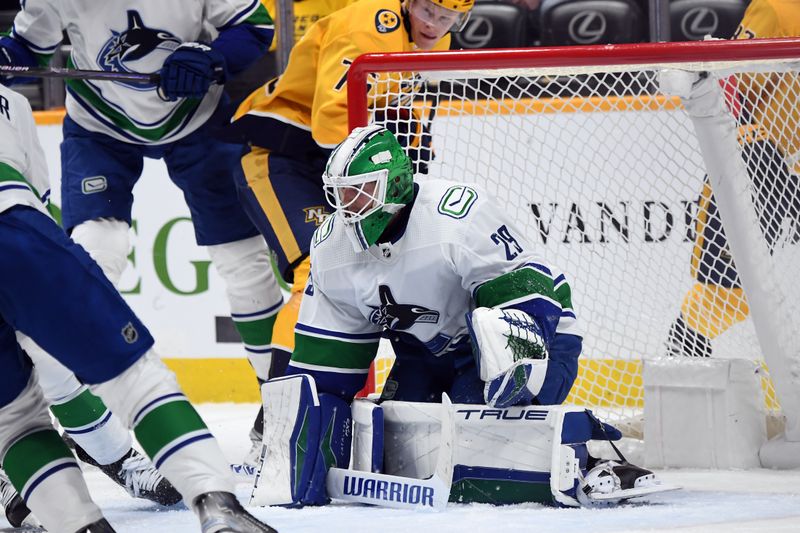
(330, 244)
(12, 100)
(451, 200)
(378, 19)
(770, 18)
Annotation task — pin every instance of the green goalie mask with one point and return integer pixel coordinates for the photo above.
(367, 180)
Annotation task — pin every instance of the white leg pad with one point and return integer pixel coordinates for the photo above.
(107, 240)
(515, 443)
(367, 436)
(703, 413)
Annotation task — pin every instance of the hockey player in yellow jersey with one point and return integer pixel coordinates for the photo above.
(306, 13)
(294, 121)
(766, 106)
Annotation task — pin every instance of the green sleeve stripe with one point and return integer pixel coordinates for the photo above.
(564, 295)
(43, 59)
(9, 173)
(260, 17)
(514, 286)
(55, 212)
(332, 353)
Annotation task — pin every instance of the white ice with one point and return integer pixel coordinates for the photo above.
(710, 501)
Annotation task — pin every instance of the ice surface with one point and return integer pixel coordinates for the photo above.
(730, 501)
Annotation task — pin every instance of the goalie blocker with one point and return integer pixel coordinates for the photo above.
(420, 455)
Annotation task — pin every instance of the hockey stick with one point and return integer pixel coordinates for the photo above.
(397, 491)
(78, 74)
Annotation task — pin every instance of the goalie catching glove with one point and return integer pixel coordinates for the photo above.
(511, 355)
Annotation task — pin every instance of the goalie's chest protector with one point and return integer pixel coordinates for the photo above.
(422, 283)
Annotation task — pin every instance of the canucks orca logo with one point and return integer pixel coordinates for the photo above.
(134, 49)
(393, 315)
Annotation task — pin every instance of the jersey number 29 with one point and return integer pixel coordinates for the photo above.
(504, 237)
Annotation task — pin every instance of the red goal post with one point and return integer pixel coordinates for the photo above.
(623, 163)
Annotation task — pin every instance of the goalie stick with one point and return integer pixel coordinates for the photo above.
(397, 491)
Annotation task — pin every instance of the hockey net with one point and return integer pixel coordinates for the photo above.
(605, 174)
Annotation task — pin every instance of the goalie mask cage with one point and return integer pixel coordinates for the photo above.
(611, 180)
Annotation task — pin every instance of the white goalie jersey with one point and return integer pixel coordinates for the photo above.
(424, 282)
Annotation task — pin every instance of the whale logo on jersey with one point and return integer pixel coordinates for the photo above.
(136, 49)
(393, 315)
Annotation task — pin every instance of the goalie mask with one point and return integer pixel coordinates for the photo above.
(367, 180)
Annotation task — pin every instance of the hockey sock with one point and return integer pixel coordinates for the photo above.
(253, 293)
(147, 398)
(256, 332)
(87, 421)
(46, 474)
(181, 447)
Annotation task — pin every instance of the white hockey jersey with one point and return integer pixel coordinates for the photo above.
(131, 36)
(23, 170)
(422, 284)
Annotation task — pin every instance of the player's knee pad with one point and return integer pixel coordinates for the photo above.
(305, 433)
(57, 381)
(25, 415)
(246, 267)
(147, 380)
(107, 240)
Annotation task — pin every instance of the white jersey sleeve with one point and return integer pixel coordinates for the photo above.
(38, 25)
(23, 169)
(225, 13)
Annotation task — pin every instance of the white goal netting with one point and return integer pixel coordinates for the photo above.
(604, 173)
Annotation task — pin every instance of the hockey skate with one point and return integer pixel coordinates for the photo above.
(136, 474)
(17, 513)
(221, 512)
(612, 482)
(100, 526)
